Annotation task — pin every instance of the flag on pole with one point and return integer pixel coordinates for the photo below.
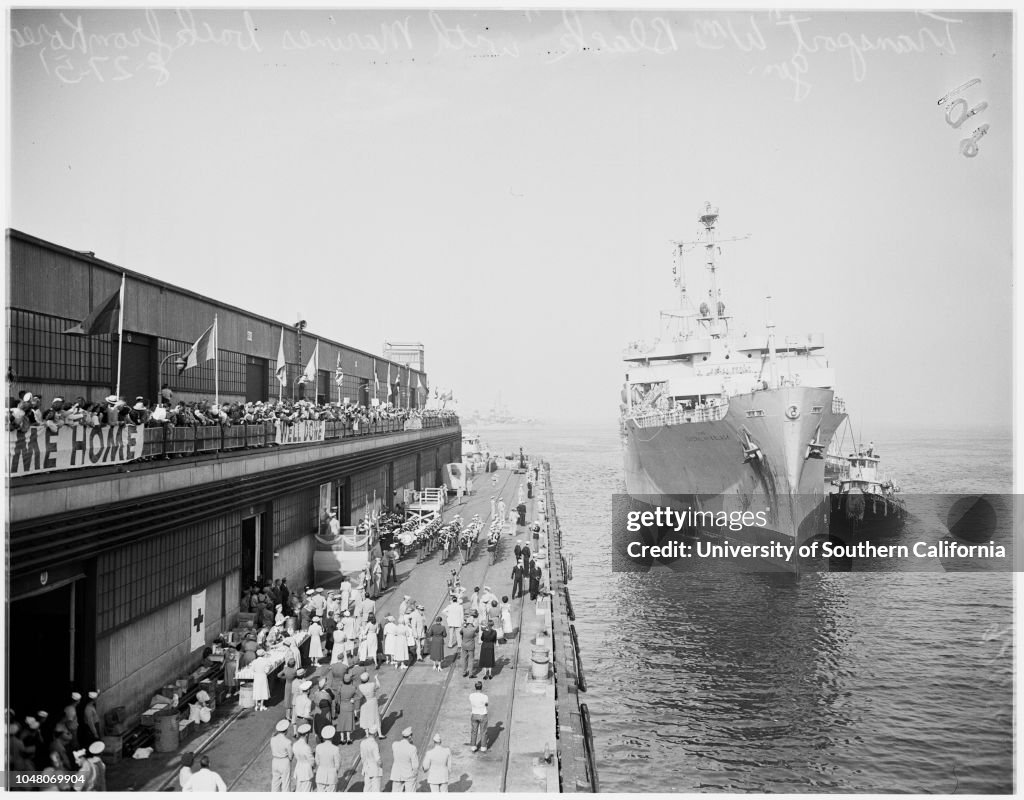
(339, 376)
(204, 349)
(376, 381)
(100, 320)
(282, 365)
(309, 376)
(388, 384)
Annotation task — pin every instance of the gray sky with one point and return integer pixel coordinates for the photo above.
(504, 186)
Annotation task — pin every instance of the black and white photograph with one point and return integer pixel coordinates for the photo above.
(511, 400)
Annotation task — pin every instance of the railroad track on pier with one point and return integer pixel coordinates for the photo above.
(352, 775)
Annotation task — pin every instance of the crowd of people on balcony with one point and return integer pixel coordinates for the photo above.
(28, 409)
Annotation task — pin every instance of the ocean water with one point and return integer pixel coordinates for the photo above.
(894, 682)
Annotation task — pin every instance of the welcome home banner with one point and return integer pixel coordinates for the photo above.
(40, 449)
(300, 432)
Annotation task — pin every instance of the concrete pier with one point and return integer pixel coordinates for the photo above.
(523, 733)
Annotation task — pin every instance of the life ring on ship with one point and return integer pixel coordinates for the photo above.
(793, 411)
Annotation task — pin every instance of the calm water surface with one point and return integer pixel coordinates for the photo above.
(853, 682)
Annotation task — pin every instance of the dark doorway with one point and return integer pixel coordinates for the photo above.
(44, 665)
(257, 550)
(256, 379)
(138, 367)
(345, 502)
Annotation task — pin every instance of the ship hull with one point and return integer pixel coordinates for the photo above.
(706, 464)
(865, 514)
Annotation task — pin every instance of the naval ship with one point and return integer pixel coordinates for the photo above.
(726, 421)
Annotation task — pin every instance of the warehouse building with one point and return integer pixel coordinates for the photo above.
(106, 560)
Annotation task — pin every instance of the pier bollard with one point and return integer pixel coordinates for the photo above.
(540, 658)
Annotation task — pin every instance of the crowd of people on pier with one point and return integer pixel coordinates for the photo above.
(28, 409)
(331, 686)
(65, 748)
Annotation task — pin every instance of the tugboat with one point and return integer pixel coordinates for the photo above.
(863, 501)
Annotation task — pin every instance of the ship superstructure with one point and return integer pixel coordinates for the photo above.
(729, 420)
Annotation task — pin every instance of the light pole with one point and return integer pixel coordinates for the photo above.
(300, 326)
(179, 363)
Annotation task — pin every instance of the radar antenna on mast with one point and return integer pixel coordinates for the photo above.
(714, 316)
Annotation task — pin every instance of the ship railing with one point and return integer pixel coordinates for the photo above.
(657, 418)
(838, 405)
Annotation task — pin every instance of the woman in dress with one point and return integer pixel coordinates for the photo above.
(494, 615)
(316, 645)
(487, 640)
(260, 686)
(369, 711)
(368, 641)
(506, 619)
(436, 634)
(338, 648)
(389, 640)
(348, 696)
(401, 646)
(348, 628)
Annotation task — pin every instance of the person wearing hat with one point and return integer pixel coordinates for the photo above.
(328, 762)
(418, 627)
(260, 684)
(437, 763)
(316, 644)
(518, 571)
(454, 618)
(305, 763)
(281, 758)
(98, 767)
(19, 754)
(302, 706)
(85, 775)
(369, 710)
(288, 673)
(92, 730)
(333, 525)
(347, 698)
(405, 765)
(371, 764)
(70, 719)
(468, 647)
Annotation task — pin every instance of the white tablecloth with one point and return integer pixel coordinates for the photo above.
(276, 656)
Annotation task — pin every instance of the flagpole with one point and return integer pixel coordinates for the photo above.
(216, 363)
(120, 336)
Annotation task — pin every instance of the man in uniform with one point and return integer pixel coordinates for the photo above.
(328, 762)
(406, 765)
(437, 763)
(281, 755)
(99, 768)
(303, 754)
(469, 634)
(371, 764)
(302, 706)
(517, 579)
(71, 718)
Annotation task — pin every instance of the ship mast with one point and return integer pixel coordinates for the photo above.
(715, 314)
